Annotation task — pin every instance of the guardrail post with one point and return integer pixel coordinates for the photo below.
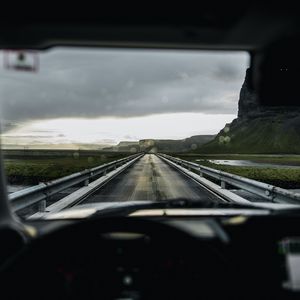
(200, 172)
(86, 182)
(104, 172)
(223, 184)
(42, 206)
(268, 194)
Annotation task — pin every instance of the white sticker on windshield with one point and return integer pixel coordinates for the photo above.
(21, 60)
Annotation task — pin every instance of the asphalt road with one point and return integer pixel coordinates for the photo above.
(150, 178)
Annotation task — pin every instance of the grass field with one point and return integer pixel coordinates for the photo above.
(285, 178)
(30, 168)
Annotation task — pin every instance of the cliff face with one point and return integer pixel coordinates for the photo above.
(258, 129)
(250, 107)
(248, 101)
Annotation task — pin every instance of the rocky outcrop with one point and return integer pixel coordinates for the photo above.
(248, 103)
(250, 107)
(258, 129)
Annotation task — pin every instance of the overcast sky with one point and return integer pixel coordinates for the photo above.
(104, 96)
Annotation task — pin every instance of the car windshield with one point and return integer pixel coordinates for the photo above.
(83, 127)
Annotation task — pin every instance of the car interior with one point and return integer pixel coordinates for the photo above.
(128, 254)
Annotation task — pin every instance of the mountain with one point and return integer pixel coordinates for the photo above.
(188, 144)
(155, 145)
(124, 146)
(258, 129)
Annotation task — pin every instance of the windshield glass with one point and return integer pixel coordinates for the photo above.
(116, 125)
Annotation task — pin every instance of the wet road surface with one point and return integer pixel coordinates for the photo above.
(150, 178)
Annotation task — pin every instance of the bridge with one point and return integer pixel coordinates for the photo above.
(150, 177)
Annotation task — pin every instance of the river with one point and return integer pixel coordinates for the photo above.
(248, 163)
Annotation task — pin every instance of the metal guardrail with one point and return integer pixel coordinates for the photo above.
(266, 191)
(41, 192)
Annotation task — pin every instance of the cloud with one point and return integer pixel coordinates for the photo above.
(27, 136)
(7, 126)
(227, 71)
(87, 83)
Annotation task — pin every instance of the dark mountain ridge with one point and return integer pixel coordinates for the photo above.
(258, 129)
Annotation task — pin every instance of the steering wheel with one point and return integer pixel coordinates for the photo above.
(81, 261)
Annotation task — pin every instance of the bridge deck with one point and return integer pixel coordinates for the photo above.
(150, 178)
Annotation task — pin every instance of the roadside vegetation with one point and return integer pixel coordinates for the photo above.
(29, 168)
(285, 178)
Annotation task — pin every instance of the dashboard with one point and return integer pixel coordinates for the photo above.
(155, 258)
